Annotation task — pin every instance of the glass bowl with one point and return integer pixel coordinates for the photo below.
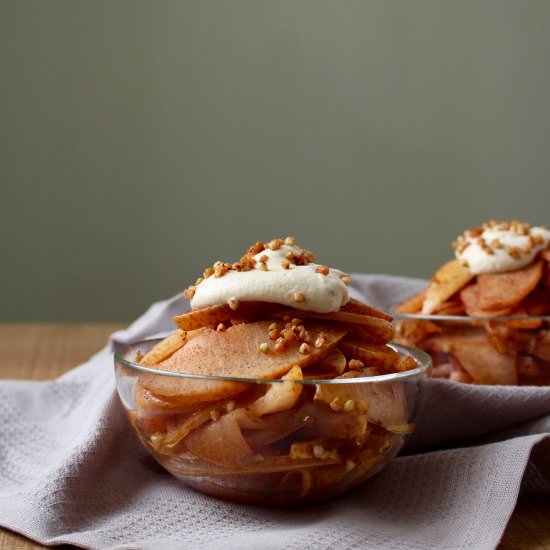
(227, 448)
(481, 350)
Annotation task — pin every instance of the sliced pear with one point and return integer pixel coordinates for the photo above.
(236, 352)
(448, 279)
(279, 396)
(164, 348)
(220, 442)
(508, 289)
(412, 304)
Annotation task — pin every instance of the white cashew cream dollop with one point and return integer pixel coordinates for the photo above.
(302, 287)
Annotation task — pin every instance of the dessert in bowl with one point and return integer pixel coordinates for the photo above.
(485, 316)
(276, 388)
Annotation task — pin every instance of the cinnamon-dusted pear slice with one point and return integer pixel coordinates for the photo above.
(470, 298)
(268, 464)
(412, 304)
(148, 402)
(327, 423)
(448, 279)
(329, 366)
(277, 427)
(192, 422)
(485, 364)
(477, 356)
(220, 442)
(164, 348)
(378, 335)
(279, 396)
(508, 289)
(355, 306)
(413, 331)
(450, 307)
(236, 352)
(372, 356)
(385, 402)
(212, 316)
(526, 324)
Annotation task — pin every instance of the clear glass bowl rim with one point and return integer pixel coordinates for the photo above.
(464, 318)
(422, 359)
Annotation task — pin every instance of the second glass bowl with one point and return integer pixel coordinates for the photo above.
(481, 350)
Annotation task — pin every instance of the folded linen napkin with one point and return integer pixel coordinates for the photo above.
(72, 471)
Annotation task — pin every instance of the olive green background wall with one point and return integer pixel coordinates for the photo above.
(141, 141)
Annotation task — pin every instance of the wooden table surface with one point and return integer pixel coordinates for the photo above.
(41, 352)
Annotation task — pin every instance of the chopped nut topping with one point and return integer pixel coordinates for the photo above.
(280, 344)
(189, 292)
(304, 258)
(229, 406)
(290, 241)
(256, 248)
(220, 328)
(305, 349)
(475, 232)
(220, 269)
(336, 405)
(288, 335)
(539, 239)
(300, 450)
(295, 322)
(264, 267)
(264, 347)
(318, 451)
(285, 264)
(320, 341)
(346, 279)
(323, 269)
(208, 272)
(496, 244)
(275, 244)
(156, 438)
(233, 303)
(356, 364)
(289, 255)
(138, 357)
(350, 465)
(214, 415)
(299, 297)
(349, 405)
(274, 334)
(515, 252)
(446, 347)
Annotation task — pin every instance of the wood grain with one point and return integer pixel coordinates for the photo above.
(41, 352)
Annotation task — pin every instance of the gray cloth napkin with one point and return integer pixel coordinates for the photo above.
(71, 470)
